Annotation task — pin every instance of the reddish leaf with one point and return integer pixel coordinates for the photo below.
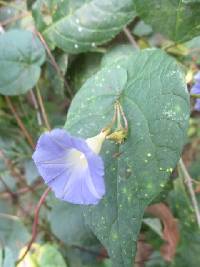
(144, 250)
(170, 229)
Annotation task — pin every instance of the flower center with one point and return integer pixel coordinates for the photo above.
(77, 158)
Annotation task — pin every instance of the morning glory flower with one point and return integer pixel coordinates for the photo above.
(197, 104)
(71, 166)
(196, 90)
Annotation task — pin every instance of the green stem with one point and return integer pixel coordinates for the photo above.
(5, 3)
(42, 108)
(195, 95)
(188, 181)
(130, 38)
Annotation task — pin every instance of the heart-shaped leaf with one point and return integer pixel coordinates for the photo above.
(49, 256)
(191, 1)
(13, 233)
(76, 26)
(152, 91)
(178, 20)
(74, 231)
(21, 56)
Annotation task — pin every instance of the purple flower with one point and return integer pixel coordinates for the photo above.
(197, 104)
(71, 166)
(197, 77)
(196, 90)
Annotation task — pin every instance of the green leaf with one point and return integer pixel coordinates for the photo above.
(175, 19)
(156, 260)
(84, 67)
(155, 225)
(194, 43)
(142, 29)
(56, 81)
(189, 230)
(21, 55)
(31, 172)
(49, 256)
(68, 225)
(152, 91)
(191, 1)
(117, 54)
(8, 259)
(7, 179)
(81, 25)
(15, 16)
(13, 233)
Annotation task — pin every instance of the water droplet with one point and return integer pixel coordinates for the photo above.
(76, 46)
(80, 29)
(124, 190)
(77, 21)
(149, 155)
(93, 44)
(114, 236)
(149, 186)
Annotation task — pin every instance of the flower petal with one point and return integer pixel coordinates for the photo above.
(197, 105)
(71, 169)
(197, 77)
(47, 149)
(195, 89)
(79, 188)
(96, 168)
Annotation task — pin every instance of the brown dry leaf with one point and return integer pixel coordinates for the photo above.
(170, 229)
(144, 250)
(197, 189)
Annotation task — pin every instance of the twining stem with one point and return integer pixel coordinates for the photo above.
(124, 117)
(121, 131)
(30, 141)
(35, 104)
(5, 3)
(188, 182)
(114, 117)
(119, 125)
(15, 173)
(12, 194)
(35, 224)
(53, 61)
(19, 122)
(130, 38)
(43, 111)
(14, 18)
(195, 95)
(22, 191)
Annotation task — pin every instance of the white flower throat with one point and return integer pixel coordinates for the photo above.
(95, 143)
